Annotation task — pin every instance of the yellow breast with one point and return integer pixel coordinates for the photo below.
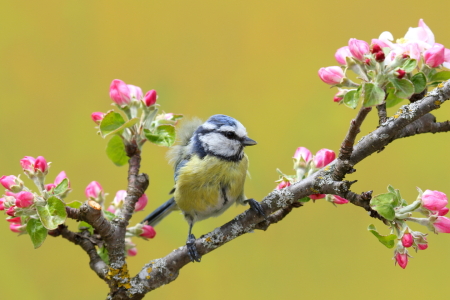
(200, 182)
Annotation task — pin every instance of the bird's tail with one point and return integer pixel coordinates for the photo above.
(161, 212)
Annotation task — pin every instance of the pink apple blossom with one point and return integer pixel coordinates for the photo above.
(141, 203)
(341, 54)
(9, 182)
(407, 240)
(323, 157)
(97, 117)
(120, 92)
(135, 92)
(149, 232)
(41, 164)
(150, 98)
(27, 163)
(358, 48)
(402, 259)
(282, 185)
(421, 35)
(317, 196)
(331, 75)
(24, 199)
(119, 198)
(434, 200)
(93, 190)
(442, 224)
(435, 55)
(339, 200)
(302, 153)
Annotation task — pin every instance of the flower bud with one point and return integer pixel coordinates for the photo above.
(17, 228)
(112, 209)
(119, 92)
(442, 224)
(339, 96)
(27, 163)
(150, 98)
(367, 61)
(14, 220)
(434, 200)
(442, 211)
(317, 196)
(94, 191)
(379, 56)
(331, 75)
(323, 157)
(339, 200)
(148, 232)
(119, 198)
(97, 117)
(402, 259)
(12, 183)
(407, 240)
(41, 164)
(24, 199)
(141, 203)
(434, 56)
(422, 246)
(375, 49)
(341, 54)
(49, 187)
(135, 92)
(358, 48)
(10, 211)
(61, 176)
(282, 185)
(2, 203)
(379, 45)
(400, 73)
(301, 156)
(132, 251)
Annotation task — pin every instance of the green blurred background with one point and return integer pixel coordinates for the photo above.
(254, 60)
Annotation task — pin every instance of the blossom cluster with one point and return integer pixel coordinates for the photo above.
(305, 164)
(389, 71)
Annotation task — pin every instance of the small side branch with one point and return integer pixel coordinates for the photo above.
(382, 114)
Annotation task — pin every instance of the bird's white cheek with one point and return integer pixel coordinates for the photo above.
(220, 145)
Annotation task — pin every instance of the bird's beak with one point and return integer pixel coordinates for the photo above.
(248, 142)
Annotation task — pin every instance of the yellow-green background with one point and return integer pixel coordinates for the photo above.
(254, 60)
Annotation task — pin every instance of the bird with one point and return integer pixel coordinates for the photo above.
(210, 169)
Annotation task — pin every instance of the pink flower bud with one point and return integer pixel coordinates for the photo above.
(120, 197)
(41, 164)
(17, 228)
(94, 190)
(149, 232)
(11, 212)
(422, 246)
(331, 75)
(135, 92)
(61, 176)
(112, 209)
(339, 200)
(150, 98)
(317, 196)
(358, 48)
(379, 56)
(2, 205)
(407, 240)
(141, 203)
(434, 200)
(434, 56)
(132, 251)
(341, 54)
(442, 224)
(380, 45)
(27, 163)
(304, 153)
(442, 211)
(49, 187)
(375, 49)
(14, 220)
(97, 117)
(119, 92)
(400, 73)
(339, 96)
(24, 199)
(8, 181)
(283, 184)
(323, 157)
(402, 259)
(367, 61)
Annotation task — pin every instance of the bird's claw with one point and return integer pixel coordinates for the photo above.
(192, 250)
(256, 206)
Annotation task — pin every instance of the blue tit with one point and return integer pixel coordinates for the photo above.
(210, 169)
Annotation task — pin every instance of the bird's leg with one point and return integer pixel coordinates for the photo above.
(190, 245)
(256, 206)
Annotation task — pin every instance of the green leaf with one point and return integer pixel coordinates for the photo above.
(83, 225)
(441, 76)
(351, 99)
(403, 87)
(74, 204)
(108, 215)
(409, 65)
(386, 211)
(37, 232)
(383, 204)
(373, 95)
(391, 99)
(163, 135)
(61, 187)
(53, 213)
(387, 240)
(103, 253)
(420, 82)
(116, 151)
(114, 123)
(381, 199)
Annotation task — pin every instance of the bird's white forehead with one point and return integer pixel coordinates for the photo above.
(239, 129)
(209, 126)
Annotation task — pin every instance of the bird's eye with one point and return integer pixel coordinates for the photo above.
(230, 134)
